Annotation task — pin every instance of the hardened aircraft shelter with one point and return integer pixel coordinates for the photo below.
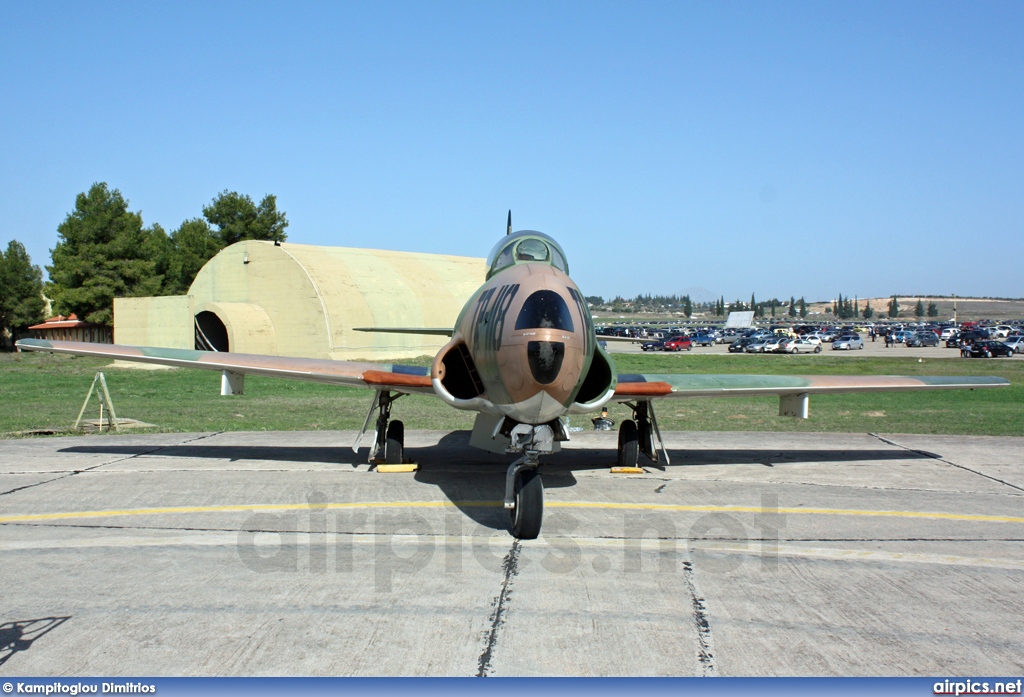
(304, 300)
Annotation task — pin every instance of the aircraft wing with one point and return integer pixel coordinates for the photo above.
(377, 376)
(637, 386)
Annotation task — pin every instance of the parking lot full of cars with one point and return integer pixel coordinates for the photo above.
(972, 339)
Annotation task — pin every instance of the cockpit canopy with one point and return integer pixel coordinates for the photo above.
(526, 247)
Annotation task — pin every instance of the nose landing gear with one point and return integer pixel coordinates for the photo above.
(524, 496)
(524, 490)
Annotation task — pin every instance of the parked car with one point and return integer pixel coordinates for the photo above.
(800, 346)
(949, 333)
(679, 343)
(702, 339)
(772, 345)
(756, 346)
(988, 349)
(740, 345)
(847, 342)
(925, 338)
(966, 338)
(1016, 342)
(652, 346)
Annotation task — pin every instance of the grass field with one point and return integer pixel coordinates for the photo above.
(43, 391)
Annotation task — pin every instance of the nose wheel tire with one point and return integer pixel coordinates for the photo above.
(629, 444)
(528, 512)
(394, 445)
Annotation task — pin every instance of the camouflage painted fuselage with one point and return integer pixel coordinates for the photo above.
(530, 337)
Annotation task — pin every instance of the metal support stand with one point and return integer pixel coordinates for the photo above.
(103, 395)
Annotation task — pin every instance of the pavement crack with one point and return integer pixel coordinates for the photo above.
(705, 648)
(510, 567)
(29, 486)
(111, 462)
(933, 456)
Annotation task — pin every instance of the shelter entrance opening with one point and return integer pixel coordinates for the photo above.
(211, 334)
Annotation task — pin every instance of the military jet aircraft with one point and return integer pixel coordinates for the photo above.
(523, 354)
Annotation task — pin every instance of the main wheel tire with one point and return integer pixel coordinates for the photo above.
(394, 445)
(629, 444)
(528, 513)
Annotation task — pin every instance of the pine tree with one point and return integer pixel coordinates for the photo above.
(919, 309)
(21, 291)
(868, 312)
(103, 252)
(894, 307)
(803, 308)
(792, 306)
(933, 310)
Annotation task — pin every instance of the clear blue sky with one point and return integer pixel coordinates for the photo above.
(806, 148)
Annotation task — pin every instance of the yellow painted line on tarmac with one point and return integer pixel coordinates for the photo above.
(796, 511)
(250, 508)
(242, 508)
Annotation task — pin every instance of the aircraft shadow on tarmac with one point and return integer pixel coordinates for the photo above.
(19, 635)
(465, 474)
(342, 455)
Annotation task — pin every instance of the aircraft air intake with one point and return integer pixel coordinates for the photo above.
(545, 360)
(459, 374)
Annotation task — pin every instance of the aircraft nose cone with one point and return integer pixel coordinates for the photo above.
(545, 360)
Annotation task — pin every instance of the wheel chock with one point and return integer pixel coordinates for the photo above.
(384, 468)
(627, 470)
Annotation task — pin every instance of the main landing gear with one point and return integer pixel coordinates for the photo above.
(637, 436)
(389, 439)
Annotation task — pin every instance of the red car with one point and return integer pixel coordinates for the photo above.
(678, 343)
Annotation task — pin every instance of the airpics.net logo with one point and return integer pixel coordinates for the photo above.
(977, 687)
(404, 541)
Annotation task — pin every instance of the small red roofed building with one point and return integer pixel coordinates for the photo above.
(71, 328)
